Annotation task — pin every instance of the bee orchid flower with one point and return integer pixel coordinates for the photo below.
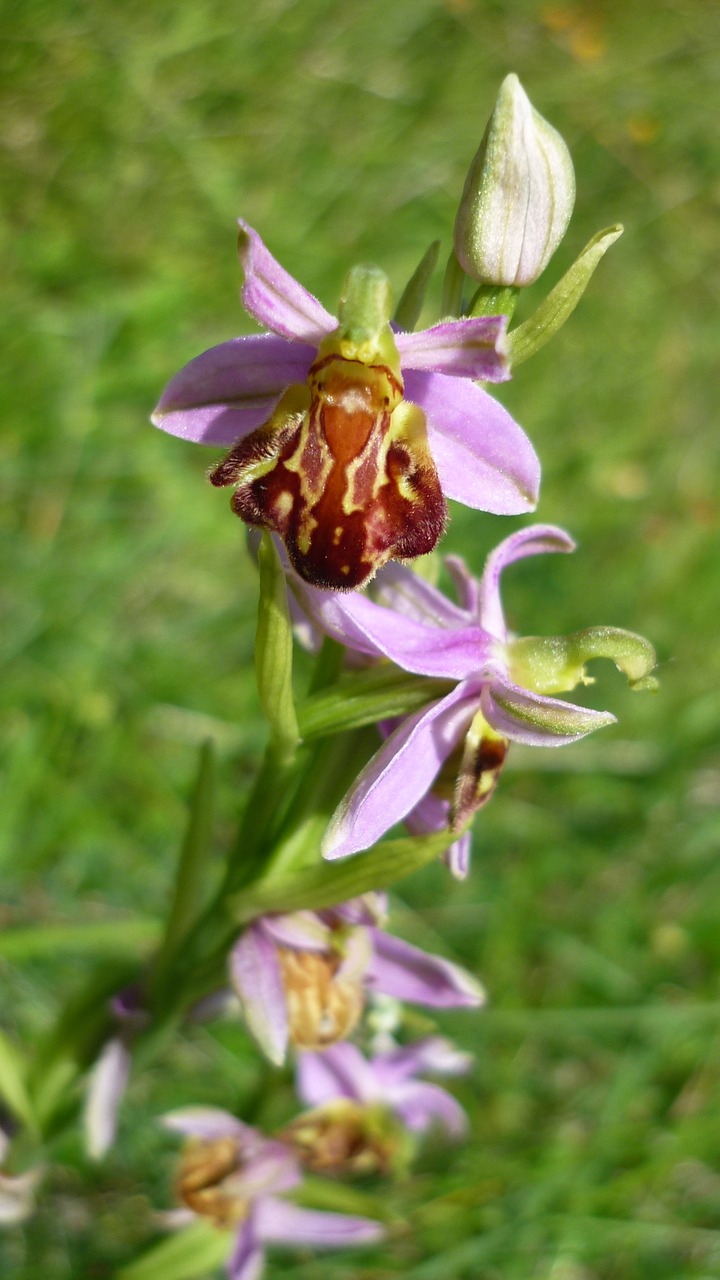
(347, 437)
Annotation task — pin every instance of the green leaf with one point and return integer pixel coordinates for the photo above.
(273, 651)
(188, 894)
(13, 1089)
(452, 287)
(494, 300)
(378, 693)
(192, 1252)
(560, 303)
(125, 936)
(407, 312)
(328, 883)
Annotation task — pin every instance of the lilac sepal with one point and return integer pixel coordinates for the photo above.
(247, 1260)
(106, 1088)
(536, 540)
(279, 1222)
(274, 298)
(469, 348)
(535, 719)
(434, 1054)
(483, 458)
(228, 391)
(401, 970)
(452, 653)
(419, 1104)
(397, 587)
(302, 930)
(257, 978)
(339, 1072)
(399, 774)
(209, 1123)
(433, 814)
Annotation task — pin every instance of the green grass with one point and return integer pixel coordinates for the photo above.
(132, 137)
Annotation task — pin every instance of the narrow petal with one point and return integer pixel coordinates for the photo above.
(426, 650)
(278, 1222)
(247, 1260)
(470, 348)
(274, 298)
(432, 814)
(397, 587)
(398, 775)
(340, 1071)
(228, 391)
(272, 1168)
(434, 1054)
(107, 1084)
(537, 720)
(465, 583)
(483, 458)
(209, 1123)
(256, 976)
(533, 541)
(303, 930)
(408, 973)
(420, 1104)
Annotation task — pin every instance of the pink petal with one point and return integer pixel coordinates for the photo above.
(209, 1123)
(228, 391)
(340, 1071)
(107, 1085)
(420, 1104)
(471, 348)
(533, 541)
(483, 458)
(408, 973)
(247, 1260)
(398, 587)
(274, 298)
(256, 977)
(535, 719)
(280, 1222)
(301, 930)
(398, 775)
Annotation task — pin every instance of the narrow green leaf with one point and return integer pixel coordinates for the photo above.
(188, 894)
(273, 651)
(13, 1089)
(127, 935)
(560, 303)
(330, 882)
(378, 693)
(407, 312)
(452, 287)
(190, 1253)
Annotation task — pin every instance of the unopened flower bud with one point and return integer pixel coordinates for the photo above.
(518, 197)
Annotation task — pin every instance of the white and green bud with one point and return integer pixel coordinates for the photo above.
(518, 197)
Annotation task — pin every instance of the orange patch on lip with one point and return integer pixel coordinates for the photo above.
(342, 472)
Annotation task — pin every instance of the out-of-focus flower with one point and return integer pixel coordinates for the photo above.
(518, 197)
(234, 1177)
(17, 1191)
(109, 1076)
(502, 692)
(303, 977)
(345, 435)
(356, 1104)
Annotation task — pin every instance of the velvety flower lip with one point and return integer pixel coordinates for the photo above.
(417, 628)
(354, 954)
(257, 1171)
(343, 1072)
(482, 457)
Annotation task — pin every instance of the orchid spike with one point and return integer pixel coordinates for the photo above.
(302, 978)
(234, 1177)
(501, 692)
(347, 437)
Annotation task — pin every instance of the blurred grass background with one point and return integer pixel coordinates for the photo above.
(131, 140)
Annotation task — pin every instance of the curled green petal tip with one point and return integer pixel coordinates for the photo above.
(556, 664)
